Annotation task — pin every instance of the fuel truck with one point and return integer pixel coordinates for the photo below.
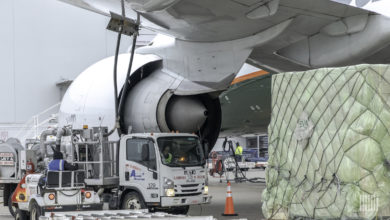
(15, 160)
(153, 171)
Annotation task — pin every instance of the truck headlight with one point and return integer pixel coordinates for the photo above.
(168, 183)
(169, 187)
(206, 190)
(170, 192)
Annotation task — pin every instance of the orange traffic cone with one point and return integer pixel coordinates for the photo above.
(229, 207)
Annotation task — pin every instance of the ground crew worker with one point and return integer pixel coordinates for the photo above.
(59, 164)
(238, 151)
(167, 155)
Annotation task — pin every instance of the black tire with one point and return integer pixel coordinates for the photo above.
(35, 211)
(133, 201)
(181, 210)
(21, 215)
(11, 208)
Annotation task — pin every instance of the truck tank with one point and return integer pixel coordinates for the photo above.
(9, 151)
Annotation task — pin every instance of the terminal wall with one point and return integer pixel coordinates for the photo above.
(43, 43)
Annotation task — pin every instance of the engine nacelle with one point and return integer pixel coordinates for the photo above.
(149, 102)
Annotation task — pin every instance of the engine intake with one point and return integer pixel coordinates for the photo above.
(185, 114)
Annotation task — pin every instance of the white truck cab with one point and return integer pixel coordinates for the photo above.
(168, 170)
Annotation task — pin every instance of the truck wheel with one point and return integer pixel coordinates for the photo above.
(181, 210)
(21, 215)
(133, 200)
(11, 208)
(35, 211)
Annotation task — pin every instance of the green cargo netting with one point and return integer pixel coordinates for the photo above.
(329, 144)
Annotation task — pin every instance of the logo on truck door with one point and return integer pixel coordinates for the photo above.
(137, 176)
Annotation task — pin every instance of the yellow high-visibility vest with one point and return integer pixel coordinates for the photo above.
(169, 159)
(238, 150)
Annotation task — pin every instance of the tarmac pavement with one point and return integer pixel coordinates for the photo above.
(246, 198)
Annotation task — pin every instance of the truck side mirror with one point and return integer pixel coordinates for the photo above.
(206, 150)
(145, 152)
(155, 175)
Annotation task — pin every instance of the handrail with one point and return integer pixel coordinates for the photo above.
(97, 169)
(31, 127)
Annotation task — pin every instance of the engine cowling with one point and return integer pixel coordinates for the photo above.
(150, 105)
(148, 102)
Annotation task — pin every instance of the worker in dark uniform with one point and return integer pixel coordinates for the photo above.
(167, 154)
(238, 152)
(59, 164)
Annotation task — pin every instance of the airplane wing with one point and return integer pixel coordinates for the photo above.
(322, 32)
(209, 41)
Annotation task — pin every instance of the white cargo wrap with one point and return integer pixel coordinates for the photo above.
(329, 144)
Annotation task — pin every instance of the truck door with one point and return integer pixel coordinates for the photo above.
(140, 168)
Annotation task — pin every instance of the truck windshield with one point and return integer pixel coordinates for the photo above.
(181, 151)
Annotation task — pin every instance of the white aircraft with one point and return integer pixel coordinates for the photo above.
(175, 81)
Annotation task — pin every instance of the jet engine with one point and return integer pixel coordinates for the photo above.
(148, 103)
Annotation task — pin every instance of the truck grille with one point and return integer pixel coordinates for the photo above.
(189, 185)
(188, 194)
(189, 189)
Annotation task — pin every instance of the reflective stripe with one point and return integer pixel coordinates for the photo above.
(56, 165)
(229, 190)
(61, 164)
